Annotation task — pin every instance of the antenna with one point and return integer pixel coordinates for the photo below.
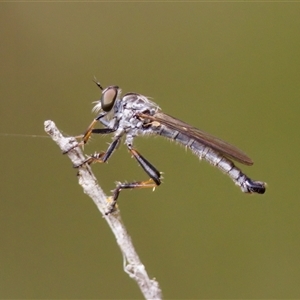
(98, 83)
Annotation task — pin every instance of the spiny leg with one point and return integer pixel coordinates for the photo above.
(101, 157)
(153, 182)
(122, 186)
(91, 130)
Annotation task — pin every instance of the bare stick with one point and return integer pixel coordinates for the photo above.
(132, 264)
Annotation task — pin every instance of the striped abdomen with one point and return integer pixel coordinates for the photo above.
(216, 158)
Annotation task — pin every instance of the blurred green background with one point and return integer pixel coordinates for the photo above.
(231, 69)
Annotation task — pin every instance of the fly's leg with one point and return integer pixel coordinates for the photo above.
(146, 165)
(103, 156)
(121, 186)
(86, 136)
(153, 182)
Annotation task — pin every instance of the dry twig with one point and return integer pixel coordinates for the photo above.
(132, 264)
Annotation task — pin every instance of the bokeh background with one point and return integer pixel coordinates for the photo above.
(231, 69)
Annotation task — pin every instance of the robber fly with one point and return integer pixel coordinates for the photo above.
(133, 115)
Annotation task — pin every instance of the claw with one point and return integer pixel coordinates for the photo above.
(112, 205)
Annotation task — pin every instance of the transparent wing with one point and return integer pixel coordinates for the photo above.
(201, 136)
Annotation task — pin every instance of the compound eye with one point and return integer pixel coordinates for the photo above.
(109, 96)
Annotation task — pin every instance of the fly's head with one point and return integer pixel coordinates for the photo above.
(108, 98)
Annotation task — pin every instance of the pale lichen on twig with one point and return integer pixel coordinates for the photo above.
(132, 264)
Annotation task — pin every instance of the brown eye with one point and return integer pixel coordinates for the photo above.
(108, 98)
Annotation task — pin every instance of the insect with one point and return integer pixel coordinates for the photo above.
(135, 115)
